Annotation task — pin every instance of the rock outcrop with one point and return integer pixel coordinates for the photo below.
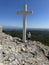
(15, 52)
(0, 29)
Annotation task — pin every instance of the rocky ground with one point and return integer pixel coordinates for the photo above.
(14, 52)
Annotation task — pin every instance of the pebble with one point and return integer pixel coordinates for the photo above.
(23, 49)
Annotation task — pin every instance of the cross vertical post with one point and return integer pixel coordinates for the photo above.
(24, 24)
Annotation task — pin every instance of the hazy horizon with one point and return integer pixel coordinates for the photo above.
(26, 28)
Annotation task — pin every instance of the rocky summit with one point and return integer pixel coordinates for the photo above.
(14, 52)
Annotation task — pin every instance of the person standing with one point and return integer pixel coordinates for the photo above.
(29, 36)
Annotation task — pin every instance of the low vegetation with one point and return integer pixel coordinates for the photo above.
(41, 36)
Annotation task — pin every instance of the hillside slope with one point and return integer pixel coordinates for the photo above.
(14, 52)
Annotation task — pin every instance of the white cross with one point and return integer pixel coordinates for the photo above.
(24, 13)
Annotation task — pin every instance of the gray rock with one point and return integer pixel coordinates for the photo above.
(1, 56)
(15, 52)
(0, 29)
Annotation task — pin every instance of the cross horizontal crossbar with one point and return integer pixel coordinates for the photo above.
(24, 12)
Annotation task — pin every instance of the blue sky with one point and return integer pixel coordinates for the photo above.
(39, 18)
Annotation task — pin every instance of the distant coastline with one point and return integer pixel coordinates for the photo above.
(28, 29)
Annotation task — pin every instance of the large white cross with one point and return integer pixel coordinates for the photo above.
(24, 13)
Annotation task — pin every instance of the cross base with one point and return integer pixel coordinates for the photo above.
(24, 41)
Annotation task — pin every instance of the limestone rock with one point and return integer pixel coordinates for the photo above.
(0, 29)
(1, 56)
(15, 52)
(1, 64)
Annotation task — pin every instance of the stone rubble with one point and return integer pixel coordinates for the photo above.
(14, 52)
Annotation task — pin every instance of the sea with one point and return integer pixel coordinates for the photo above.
(28, 29)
